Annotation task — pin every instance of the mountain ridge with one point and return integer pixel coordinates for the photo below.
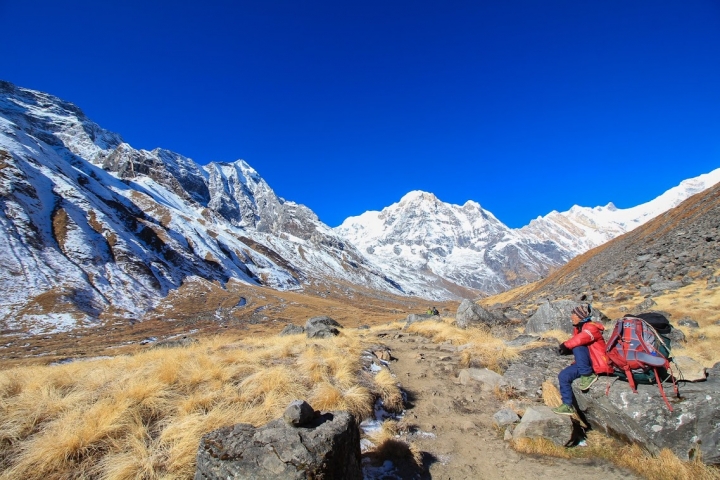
(94, 227)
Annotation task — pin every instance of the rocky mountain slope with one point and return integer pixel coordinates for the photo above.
(423, 237)
(678, 247)
(91, 226)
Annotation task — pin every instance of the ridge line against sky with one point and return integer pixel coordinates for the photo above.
(522, 106)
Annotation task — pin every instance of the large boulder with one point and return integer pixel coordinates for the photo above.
(545, 363)
(421, 317)
(325, 448)
(322, 327)
(643, 417)
(541, 422)
(556, 316)
(471, 314)
(486, 378)
(291, 329)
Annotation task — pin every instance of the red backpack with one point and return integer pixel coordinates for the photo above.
(633, 349)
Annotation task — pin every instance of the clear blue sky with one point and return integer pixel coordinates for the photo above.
(522, 106)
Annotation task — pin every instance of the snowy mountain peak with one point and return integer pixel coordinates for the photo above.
(97, 226)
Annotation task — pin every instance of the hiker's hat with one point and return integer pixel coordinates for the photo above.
(581, 311)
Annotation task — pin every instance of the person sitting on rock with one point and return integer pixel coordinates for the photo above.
(434, 311)
(587, 345)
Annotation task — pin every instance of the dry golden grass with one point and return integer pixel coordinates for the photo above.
(481, 348)
(551, 395)
(142, 416)
(664, 466)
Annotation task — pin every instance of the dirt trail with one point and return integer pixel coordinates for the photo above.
(464, 444)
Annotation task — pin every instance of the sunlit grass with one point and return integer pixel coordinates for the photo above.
(142, 416)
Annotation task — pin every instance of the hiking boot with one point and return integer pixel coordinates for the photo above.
(586, 381)
(564, 410)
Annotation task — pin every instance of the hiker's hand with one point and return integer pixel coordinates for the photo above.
(563, 350)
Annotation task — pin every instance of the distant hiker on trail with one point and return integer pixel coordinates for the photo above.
(432, 311)
(588, 347)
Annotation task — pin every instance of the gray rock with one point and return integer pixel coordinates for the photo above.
(291, 329)
(521, 340)
(677, 338)
(487, 378)
(665, 285)
(299, 413)
(646, 305)
(523, 380)
(471, 314)
(551, 316)
(421, 317)
(505, 417)
(541, 422)
(644, 418)
(177, 342)
(322, 327)
(328, 447)
(686, 322)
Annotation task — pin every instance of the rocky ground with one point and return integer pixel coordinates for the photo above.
(452, 423)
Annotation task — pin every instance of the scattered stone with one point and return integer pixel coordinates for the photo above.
(420, 317)
(665, 285)
(508, 434)
(291, 329)
(505, 417)
(541, 422)
(677, 338)
(686, 322)
(552, 316)
(327, 447)
(521, 340)
(470, 314)
(298, 413)
(176, 342)
(487, 378)
(523, 380)
(646, 305)
(688, 369)
(322, 327)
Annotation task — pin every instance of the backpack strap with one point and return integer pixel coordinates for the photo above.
(662, 390)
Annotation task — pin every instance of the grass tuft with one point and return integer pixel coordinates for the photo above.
(142, 416)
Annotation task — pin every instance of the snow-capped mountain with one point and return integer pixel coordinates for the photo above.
(421, 237)
(582, 228)
(91, 225)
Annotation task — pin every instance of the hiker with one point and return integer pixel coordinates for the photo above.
(588, 347)
(434, 311)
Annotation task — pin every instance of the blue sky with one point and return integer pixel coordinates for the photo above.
(522, 106)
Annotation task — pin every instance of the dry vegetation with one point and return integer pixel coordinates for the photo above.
(142, 415)
(479, 347)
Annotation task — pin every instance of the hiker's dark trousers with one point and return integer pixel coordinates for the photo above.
(582, 366)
